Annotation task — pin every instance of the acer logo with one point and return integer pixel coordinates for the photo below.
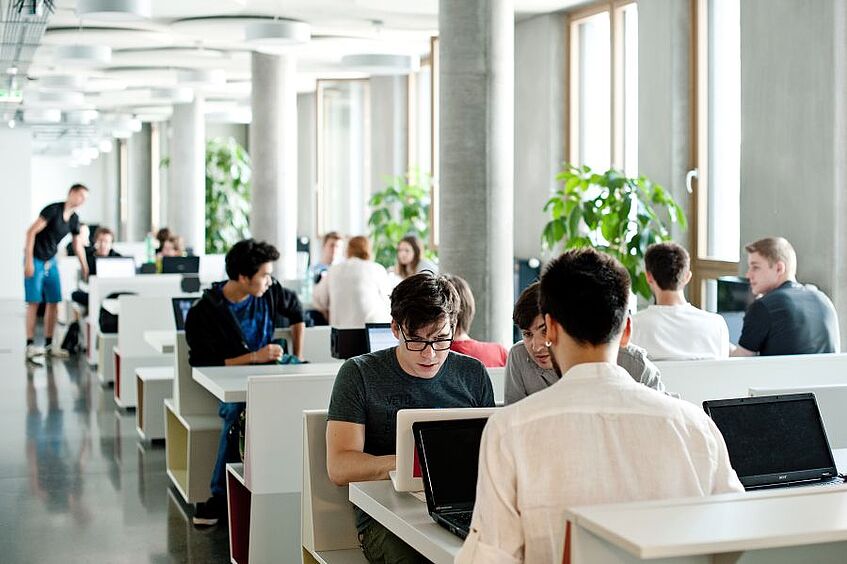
(783, 476)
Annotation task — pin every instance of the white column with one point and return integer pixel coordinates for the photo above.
(273, 151)
(187, 183)
(140, 186)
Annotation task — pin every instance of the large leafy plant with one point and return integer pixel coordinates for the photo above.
(228, 172)
(401, 209)
(611, 212)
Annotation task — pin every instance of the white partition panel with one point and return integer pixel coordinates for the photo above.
(273, 460)
(700, 380)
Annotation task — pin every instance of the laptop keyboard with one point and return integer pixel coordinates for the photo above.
(460, 519)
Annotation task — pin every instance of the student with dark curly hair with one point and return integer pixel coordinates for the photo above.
(233, 324)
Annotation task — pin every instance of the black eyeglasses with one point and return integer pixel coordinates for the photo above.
(418, 345)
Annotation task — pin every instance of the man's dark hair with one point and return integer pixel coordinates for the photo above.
(245, 258)
(423, 299)
(667, 263)
(587, 293)
(467, 304)
(78, 186)
(526, 308)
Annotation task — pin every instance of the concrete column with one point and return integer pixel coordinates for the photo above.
(389, 129)
(793, 144)
(273, 149)
(306, 157)
(140, 185)
(187, 183)
(477, 156)
(15, 162)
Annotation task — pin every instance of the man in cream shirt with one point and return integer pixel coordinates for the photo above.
(673, 329)
(595, 436)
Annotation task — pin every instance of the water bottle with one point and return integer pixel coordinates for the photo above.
(150, 250)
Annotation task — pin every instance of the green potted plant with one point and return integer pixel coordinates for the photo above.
(611, 212)
(228, 172)
(401, 209)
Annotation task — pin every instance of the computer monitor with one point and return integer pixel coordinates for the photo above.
(180, 265)
(380, 336)
(115, 267)
(774, 440)
(181, 307)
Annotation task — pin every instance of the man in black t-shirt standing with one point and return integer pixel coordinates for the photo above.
(41, 273)
(787, 318)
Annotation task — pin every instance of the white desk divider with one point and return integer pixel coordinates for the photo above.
(106, 343)
(329, 522)
(154, 385)
(134, 249)
(150, 285)
(274, 442)
(316, 347)
(832, 402)
(699, 380)
(138, 314)
(192, 430)
(498, 382)
(212, 268)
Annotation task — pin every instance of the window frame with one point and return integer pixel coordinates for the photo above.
(617, 95)
(703, 267)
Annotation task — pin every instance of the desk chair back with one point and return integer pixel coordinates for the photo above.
(329, 522)
(832, 403)
(189, 397)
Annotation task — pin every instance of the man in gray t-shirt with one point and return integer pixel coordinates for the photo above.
(421, 372)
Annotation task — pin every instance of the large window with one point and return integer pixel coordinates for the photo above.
(343, 159)
(603, 90)
(716, 173)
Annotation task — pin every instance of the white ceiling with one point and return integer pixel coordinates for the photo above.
(208, 34)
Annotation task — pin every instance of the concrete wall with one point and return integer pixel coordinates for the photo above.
(664, 105)
(14, 162)
(793, 148)
(540, 124)
(51, 176)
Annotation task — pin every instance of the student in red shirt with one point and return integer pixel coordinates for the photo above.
(491, 355)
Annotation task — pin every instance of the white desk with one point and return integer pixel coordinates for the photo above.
(657, 529)
(733, 523)
(163, 341)
(112, 305)
(229, 383)
(408, 518)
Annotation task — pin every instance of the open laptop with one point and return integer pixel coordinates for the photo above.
(115, 267)
(449, 455)
(379, 336)
(181, 265)
(775, 440)
(181, 307)
(407, 475)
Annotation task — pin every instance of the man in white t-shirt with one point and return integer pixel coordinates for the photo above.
(595, 436)
(673, 329)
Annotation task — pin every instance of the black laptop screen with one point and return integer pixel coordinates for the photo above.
(181, 307)
(451, 455)
(773, 437)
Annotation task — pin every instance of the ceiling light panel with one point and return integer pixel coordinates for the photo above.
(82, 55)
(113, 10)
(116, 37)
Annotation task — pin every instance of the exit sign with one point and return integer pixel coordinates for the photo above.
(11, 95)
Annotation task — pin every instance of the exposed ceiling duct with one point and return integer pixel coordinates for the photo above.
(22, 25)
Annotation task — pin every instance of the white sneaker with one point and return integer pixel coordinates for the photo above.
(56, 352)
(33, 351)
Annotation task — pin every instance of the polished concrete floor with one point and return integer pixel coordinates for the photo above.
(76, 484)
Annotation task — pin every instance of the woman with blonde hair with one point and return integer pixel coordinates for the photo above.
(355, 291)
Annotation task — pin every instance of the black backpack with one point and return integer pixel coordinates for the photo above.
(109, 321)
(71, 341)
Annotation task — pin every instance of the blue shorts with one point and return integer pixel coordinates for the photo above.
(44, 285)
